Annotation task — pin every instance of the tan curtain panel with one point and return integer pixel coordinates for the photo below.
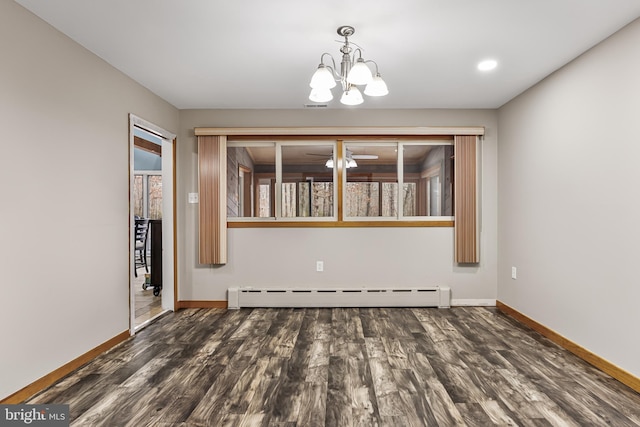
(466, 200)
(212, 188)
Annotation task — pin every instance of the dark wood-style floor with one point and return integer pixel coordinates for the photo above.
(341, 367)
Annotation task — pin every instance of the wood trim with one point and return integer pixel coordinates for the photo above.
(212, 184)
(466, 200)
(147, 146)
(336, 224)
(61, 372)
(201, 304)
(148, 126)
(175, 224)
(584, 354)
(340, 179)
(330, 130)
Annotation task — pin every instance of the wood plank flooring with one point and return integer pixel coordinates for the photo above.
(147, 306)
(341, 367)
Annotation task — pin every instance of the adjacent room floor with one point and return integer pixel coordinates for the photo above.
(341, 367)
(147, 306)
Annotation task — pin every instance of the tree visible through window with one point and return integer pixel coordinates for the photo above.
(147, 195)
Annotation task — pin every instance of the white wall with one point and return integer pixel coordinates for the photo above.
(64, 214)
(568, 200)
(353, 257)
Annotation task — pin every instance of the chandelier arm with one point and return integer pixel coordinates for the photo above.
(374, 63)
(333, 70)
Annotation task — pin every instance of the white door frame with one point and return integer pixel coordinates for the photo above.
(168, 209)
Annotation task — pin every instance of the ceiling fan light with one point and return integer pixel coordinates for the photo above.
(329, 163)
(359, 74)
(377, 87)
(320, 95)
(322, 78)
(351, 163)
(352, 96)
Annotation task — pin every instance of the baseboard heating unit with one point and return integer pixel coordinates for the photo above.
(436, 296)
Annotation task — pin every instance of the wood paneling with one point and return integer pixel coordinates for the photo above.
(466, 200)
(212, 184)
(597, 361)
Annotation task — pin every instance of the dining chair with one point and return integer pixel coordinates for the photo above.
(141, 233)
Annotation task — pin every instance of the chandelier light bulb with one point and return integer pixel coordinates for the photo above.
(352, 96)
(322, 78)
(320, 95)
(360, 74)
(377, 87)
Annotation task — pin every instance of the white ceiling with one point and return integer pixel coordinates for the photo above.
(261, 54)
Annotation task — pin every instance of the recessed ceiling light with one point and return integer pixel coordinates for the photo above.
(487, 65)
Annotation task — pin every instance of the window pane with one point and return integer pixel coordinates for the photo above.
(265, 201)
(155, 196)
(362, 199)
(322, 199)
(409, 199)
(289, 199)
(315, 199)
(372, 180)
(250, 179)
(138, 199)
(428, 183)
(307, 182)
(389, 199)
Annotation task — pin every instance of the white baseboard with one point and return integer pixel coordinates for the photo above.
(473, 302)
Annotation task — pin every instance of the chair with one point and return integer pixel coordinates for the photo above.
(141, 233)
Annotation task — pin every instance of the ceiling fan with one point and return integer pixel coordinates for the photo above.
(350, 158)
(349, 155)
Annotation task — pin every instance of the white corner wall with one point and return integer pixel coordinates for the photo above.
(64, 215)
(568, 200)
(353, 257)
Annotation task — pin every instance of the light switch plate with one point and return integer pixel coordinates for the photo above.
(193, 197)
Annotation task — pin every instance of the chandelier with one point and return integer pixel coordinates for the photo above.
(354, 72)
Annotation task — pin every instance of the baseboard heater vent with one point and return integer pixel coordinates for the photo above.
(436, 296)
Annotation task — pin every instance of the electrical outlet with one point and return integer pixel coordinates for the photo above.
(514, 273)
(319, 266)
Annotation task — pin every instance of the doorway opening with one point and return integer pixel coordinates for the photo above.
(152, 284)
